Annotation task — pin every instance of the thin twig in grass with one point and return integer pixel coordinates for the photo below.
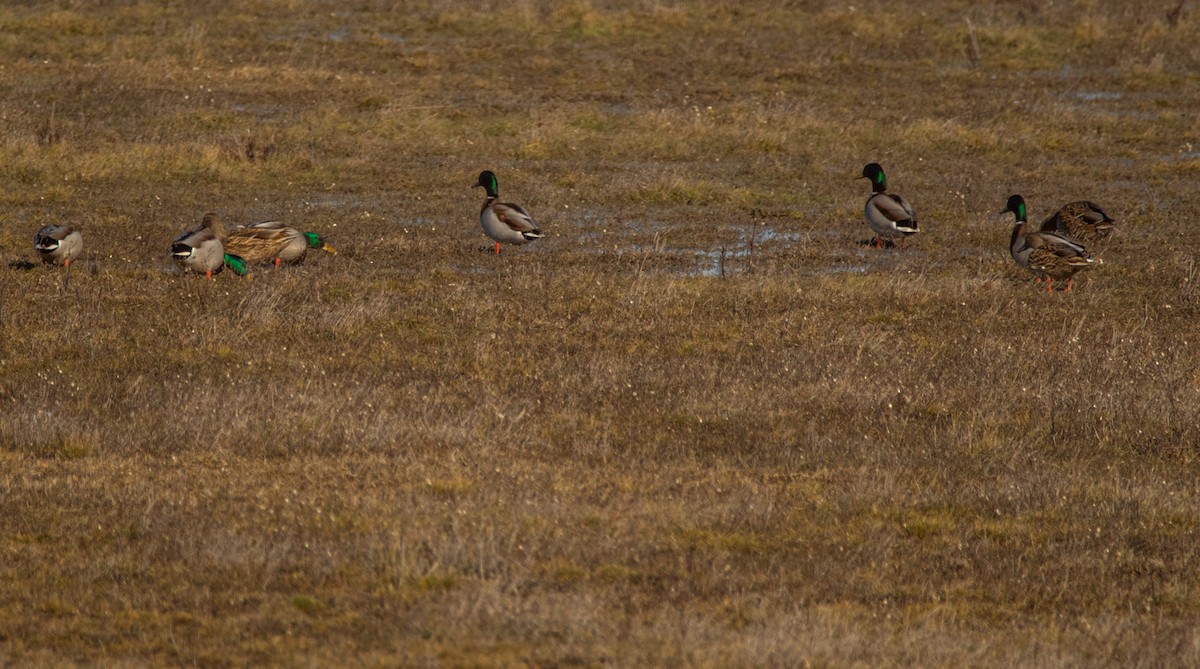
(751, 243)
(47, 134)
(1187, 286)
(401, 109)
(1176, 15)
(973, 44)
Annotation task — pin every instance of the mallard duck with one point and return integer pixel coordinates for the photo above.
(273, 241)
(888, 214)
(504, 222)
(1046, 254)
(58, 243)
(201, 250)
(294, 253)
(261, 242)
(1082, 221)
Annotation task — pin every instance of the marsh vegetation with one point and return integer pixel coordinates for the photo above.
(697, 424)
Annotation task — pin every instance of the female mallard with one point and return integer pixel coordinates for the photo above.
(888, 214)
(201, 250)
(273, 241)
(58, 243)
(504, 222)
(1082, 221)
(1045, 254)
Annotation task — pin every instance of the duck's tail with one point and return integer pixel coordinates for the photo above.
(1083, 262)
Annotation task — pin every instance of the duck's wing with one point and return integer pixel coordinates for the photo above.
(515, 217)
(1061, 247)
(894, 208)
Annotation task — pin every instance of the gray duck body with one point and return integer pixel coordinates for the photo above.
(889, 215)
(58, 243)
(504, 222)
(201, 250)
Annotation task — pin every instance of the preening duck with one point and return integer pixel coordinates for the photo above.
(58, 243)
(1082, 221)
(201, 250)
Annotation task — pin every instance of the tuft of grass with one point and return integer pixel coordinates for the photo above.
(308, 605)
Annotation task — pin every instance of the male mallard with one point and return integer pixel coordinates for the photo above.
(888, 214)
(1082, 221)
(201, 250)
(295, 253)
(58, 242)
(273, 241)
(1046, 254)
(504, 222)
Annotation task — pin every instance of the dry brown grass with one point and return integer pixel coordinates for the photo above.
(698, 424)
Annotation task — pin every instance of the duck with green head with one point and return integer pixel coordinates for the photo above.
(889, 215)
(273, 242)
(1048, 255)
(502, 221)
(202, 249)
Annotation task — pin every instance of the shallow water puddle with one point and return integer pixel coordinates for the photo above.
(1093, 96)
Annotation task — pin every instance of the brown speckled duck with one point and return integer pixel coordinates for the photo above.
(1046, 254)
(273, 241)
(1082, 221)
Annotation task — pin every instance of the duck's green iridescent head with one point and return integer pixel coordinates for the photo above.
(874, 172)
(1016, 205)
(315, 242)
(488, 180)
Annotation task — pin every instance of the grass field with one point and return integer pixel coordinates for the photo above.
(699, 424)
